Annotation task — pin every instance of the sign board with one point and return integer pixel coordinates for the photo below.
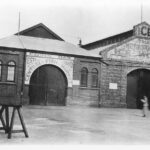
(135, 50)
(76, 82)
(142, 30)
(35, 60)
(113, 86)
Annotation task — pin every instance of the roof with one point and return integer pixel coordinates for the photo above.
(109, 40)
(44, 45)
(29, 32)
(100, 49)
(142, 23)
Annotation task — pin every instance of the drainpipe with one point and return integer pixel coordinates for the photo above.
(23, 76)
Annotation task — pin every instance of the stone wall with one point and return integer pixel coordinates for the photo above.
(116, 72)
(77, 95)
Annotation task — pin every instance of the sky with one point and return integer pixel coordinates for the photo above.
(89, 20)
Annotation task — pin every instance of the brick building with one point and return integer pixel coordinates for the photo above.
(125, 71)
(38, 67)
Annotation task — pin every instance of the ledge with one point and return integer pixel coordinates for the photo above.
(88, 88)
(8, 83)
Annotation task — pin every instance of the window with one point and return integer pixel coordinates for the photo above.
(94, 78)
(0, 70)
(84, 77)
(11, 71)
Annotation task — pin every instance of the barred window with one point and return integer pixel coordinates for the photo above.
(84, 77)
(11, 71)
(94, 77)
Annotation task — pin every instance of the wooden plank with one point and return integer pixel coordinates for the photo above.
(12, 123)
(17, 131)
(22, 122)
(9, 127)
(2, 119)
(7, 118)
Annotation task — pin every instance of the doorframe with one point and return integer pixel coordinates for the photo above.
(129, 70)
(63, 73)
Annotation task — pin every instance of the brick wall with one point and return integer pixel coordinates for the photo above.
(10, 91)
(116, 72)
(84, 96)
(113, 73)
(77, 95)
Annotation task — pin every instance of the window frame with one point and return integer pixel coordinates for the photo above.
(84, 77)
(11, 66)
(94, 74)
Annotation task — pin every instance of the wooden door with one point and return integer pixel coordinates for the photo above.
(48, 86)
(132, 86)
(138, 85)
(145, 84)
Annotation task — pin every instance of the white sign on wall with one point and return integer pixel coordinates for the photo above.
(76, 82)
(134, 50)
(35, 60)
(113, 86)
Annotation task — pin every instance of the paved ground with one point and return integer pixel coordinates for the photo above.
(81, 125)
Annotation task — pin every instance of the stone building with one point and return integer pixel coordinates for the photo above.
(125, 71)
(38, 67)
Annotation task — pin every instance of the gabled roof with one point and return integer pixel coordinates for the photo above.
(101, 49)
(109, 40)
(44, 45)
(113, 46)
(32, 31)
(142, 23)
(115, 38)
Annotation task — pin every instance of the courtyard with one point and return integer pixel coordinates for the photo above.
(80, 125)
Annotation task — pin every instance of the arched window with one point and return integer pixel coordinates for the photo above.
(0, 70)
(11, 71)
(94, 77)
(84, 77)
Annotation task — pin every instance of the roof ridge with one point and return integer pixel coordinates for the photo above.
(108, 38)
(44, 26)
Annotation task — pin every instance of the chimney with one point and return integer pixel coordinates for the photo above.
(80, 42)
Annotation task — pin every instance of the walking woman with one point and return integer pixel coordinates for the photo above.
(145, 105)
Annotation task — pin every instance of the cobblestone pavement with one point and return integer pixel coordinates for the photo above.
(80, 125)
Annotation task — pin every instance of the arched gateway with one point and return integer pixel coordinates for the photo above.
(48, 86)
(138, 84)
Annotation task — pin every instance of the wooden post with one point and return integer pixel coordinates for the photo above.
(9, 127)
(7, 118)
(22, 122)
(18, 108)
(12, 123)
(2, 119)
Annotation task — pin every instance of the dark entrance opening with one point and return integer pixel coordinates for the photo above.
(48, 86)
(138, 84)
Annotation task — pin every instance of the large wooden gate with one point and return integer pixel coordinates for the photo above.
(138, 84)
(48, 86)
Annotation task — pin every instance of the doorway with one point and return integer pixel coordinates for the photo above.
(138, 84)
(48, 86)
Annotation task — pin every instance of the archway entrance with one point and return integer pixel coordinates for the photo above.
(138, 84)
(48, 86)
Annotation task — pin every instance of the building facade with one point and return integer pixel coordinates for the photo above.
(125, 71)
(38, 67)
